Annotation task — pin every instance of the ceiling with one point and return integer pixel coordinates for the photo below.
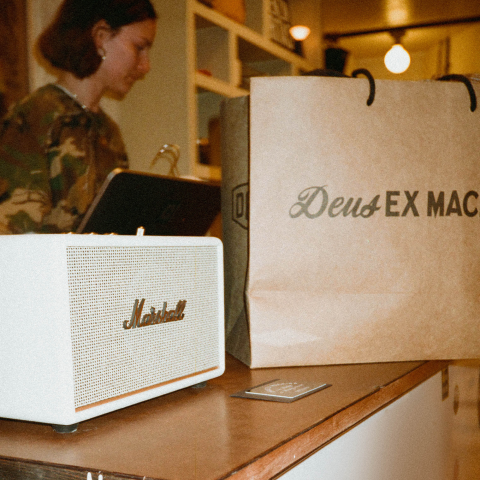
(344, 16)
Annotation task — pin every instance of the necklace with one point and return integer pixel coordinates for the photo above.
(72, 95)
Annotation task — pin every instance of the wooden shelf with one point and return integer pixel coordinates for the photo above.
(230, 53)
(214, 18)
(206, 83)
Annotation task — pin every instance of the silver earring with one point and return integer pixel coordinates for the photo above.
(102, 53)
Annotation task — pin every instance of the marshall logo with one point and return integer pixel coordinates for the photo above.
(154, 317)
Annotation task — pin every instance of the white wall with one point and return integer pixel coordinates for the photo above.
(152, 113)
(40, 14)
(465, 49)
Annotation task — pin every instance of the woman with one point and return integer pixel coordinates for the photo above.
(57, 146)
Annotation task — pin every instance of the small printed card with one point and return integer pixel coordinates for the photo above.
(281, 390)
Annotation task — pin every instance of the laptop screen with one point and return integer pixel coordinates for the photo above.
(161, 205)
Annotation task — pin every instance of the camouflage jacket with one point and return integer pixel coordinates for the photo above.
(54, 156)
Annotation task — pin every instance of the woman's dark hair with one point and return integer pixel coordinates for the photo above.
(68, 43)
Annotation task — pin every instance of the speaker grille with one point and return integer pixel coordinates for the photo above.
(104, 282)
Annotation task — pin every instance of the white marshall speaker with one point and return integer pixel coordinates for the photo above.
(95, 323)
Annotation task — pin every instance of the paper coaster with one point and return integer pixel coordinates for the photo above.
(281, 390)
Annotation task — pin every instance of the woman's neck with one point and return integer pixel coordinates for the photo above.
(85, 91)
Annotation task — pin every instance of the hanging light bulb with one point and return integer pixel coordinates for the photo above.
(299, 34)
(397, 59)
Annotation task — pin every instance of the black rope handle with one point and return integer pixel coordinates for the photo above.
(471, 91)
(371, 81)
(319, 72)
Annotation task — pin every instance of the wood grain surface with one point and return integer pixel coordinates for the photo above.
(204, 433)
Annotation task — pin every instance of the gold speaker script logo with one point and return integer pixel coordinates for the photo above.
(154, 317)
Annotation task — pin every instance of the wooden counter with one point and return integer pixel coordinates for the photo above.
(204, 433)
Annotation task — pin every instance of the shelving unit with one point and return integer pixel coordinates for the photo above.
(231, 53)
(201, 57)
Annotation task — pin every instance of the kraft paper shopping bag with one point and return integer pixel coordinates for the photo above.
(351, 230)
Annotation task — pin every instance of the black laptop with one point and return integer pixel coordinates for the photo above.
(161, 205)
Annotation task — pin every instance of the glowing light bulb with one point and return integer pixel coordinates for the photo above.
(397, 59)
(299, 32)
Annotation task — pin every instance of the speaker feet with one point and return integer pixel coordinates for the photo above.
(200, 385)
(65, 428)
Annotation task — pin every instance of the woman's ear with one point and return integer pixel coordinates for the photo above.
(101, 32)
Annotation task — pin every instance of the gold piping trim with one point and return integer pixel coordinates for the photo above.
(125, 395)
